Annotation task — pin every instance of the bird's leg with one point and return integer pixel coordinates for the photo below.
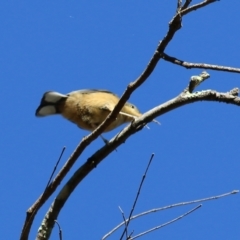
(128, 115)
(134, 118)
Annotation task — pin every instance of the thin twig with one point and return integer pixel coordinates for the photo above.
(179, 4)
(167, 223)
(174, 26)
(121, 137)
(168, 207)
(60, 230)
(186, 4)
(124, 219)
(138, 193)
(30, 217)
(129, 237)
(55, 168)
(197, 6)
(189, 65)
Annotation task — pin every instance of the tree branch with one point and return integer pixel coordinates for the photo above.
(183, 99)
(190, 65)
(138, 194)
(174, 26)
(197, 6)
(167, 223)
(168, 207)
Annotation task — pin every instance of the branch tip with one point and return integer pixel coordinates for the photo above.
(197, 80)
(234, 92)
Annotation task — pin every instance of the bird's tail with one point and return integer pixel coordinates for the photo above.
(49, 104)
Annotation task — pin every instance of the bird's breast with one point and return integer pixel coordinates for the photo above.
(88, 112)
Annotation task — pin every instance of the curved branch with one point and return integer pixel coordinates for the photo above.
(174, 26)
(179, 101)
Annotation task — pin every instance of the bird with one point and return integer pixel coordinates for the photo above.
(87, 108)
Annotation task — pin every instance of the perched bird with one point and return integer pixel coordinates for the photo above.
(87, 108)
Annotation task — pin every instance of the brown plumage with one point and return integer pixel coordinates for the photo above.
(86, 108)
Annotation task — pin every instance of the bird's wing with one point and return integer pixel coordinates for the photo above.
(86, 91)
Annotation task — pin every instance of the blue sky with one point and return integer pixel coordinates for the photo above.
(71, 45)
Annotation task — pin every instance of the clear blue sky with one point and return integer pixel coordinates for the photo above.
(71, 45)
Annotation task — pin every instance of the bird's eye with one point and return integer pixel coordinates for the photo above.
(132, 106)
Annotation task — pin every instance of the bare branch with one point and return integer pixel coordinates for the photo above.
(167, 223)
(179, 4)
(197, 6)
(189, 65)
(138, 193)
(60, 230)
(124, 219)
(174, 26)
(171, 206)
(31, 212)
(96, 158)
(186, 4)
(30, 217)
(195, 81)
(55, 168)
